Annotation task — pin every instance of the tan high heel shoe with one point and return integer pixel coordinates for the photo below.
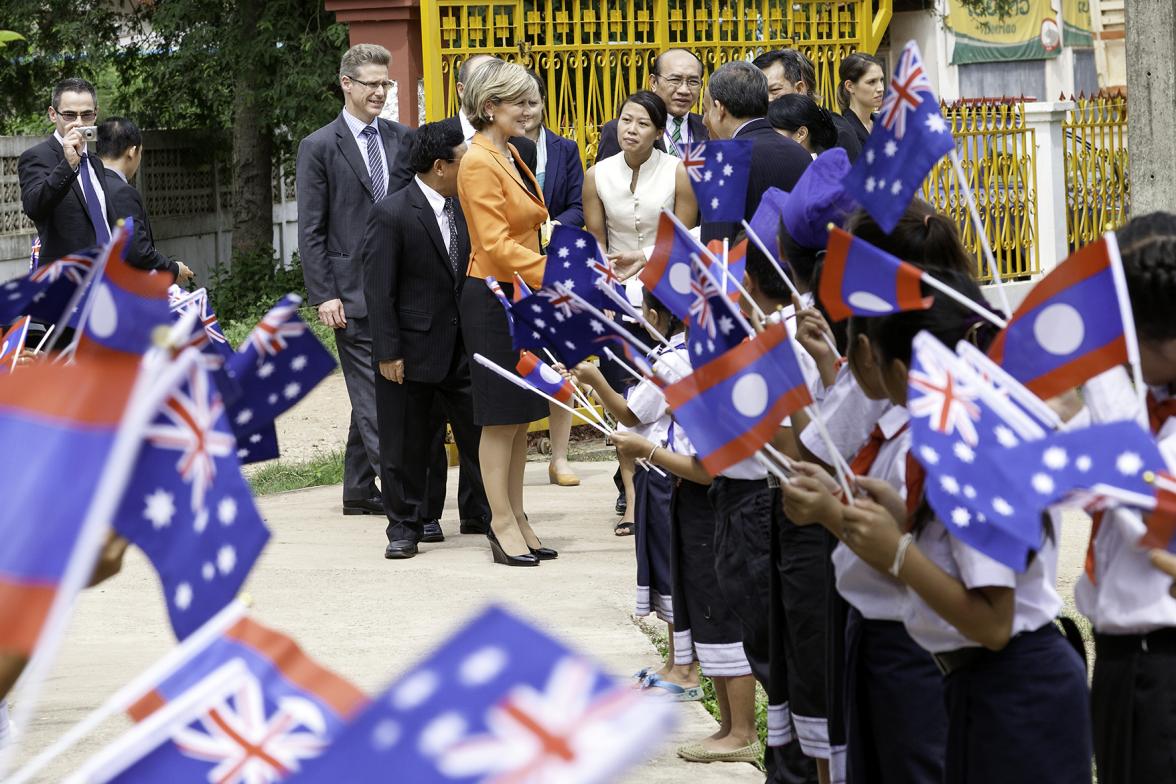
(563, 480)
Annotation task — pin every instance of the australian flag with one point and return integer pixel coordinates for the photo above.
(277, 365)
(46, 291)
(734, 404)
(188, 508)
(499, 701)
(248, 707)
(208, 336)
(574, 261)
(1071, 326)
(719, 172)
(52, 417)
(909, 137)
(955, 435)
(713, 318)
(670, 273)
(860, 279)
(556, 322)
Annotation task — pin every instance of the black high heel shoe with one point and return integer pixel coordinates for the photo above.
(544, 553)
(500, 556)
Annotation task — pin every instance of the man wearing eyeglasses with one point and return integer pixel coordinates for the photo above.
(61, 186)
(676, 78)
(343, 169)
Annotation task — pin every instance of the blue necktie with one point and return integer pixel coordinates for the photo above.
(93, 206)
(375, 168)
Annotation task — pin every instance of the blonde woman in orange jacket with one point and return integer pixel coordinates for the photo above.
(504, 209)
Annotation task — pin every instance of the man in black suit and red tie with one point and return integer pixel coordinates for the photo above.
(343, 169)
(676, 78)
(62, 187)
(414, 255)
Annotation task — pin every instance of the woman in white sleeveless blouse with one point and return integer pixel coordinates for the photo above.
(625, 194)
(623, 199)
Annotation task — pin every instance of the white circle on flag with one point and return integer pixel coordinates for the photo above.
(1059, 329)
(750, 395)
(680, 277)
(549, 375)
(103, 313)
(866, 300)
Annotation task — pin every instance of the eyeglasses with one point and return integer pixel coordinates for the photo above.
(71, 116)
(678, 81)
(386, 84)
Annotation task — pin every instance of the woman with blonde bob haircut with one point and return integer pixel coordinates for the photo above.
(504, 209)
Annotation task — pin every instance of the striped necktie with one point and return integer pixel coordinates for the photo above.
(375, 166)
(676, 135)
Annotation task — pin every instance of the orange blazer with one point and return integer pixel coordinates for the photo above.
(503, 217)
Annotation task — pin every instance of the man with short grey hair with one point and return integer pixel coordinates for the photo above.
(676, 78)
(734, 107)
(343, 169)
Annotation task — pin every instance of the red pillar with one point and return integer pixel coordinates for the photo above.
(395, 25)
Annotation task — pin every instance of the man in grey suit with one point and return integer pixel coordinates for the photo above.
(343, 169)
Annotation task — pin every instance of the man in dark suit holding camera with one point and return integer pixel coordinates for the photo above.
(62, 188)
(414, 255)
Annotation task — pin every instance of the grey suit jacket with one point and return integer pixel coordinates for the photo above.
(334, 199)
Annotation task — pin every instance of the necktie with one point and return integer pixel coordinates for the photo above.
(1158, 412)
(451, 216)
(915, 477)
(863, 461)
(676, 135)
(375, 168)
(93, 206)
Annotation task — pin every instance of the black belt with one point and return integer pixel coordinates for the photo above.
(1159, 641)
(952, 661)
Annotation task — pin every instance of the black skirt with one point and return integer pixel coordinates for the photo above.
(1133, 697)
(1020, 715)
(485, 331)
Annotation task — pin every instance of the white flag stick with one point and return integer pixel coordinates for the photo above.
(44, 337)
(772, 467)
(968, 303)
(732, 309)
(974, 211)
(759, 243)
(577, 393)
(1127, 314)
(608, 352)
(633, 313)
(95, 272)
(158, 375)
(840, 467)
(122, 699)
(726, 262)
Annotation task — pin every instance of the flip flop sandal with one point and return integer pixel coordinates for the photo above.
(674, 692)
(623, 529)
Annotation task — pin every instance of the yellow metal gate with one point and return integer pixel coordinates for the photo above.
(592, 53)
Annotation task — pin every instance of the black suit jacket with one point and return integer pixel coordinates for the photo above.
(563, 181)
(412, 291)
(525, 146)
(123, 201)
(847, 138)
(334, 199)
(51, 195)
(609, 145)
(776, 162)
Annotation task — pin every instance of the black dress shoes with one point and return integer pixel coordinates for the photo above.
(364, 506)
(400, 549)
(433, 532)
(544, 553)
(475, 525)
(500, 556)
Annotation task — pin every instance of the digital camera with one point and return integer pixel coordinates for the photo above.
(89, 132)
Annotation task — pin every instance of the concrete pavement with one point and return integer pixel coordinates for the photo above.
(324, 581)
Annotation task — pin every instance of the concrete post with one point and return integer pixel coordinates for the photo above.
(1151, 116)
(395, 25)
(1046, 118)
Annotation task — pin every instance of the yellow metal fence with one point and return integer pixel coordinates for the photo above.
(1098, 189)
(593, 53)
(997, 152)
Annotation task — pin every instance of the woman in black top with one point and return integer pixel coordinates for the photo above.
(859, 93)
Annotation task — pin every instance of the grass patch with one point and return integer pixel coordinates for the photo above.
(657, 636)
(237, 331)
(278, 477)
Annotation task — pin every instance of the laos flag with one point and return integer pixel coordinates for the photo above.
(862, 280)
(734, 404)
(53, 419)
(669, 275)
(12, 344)
(1073, 325)
(544, 377)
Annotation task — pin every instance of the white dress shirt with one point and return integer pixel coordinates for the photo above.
(356, 125)
(668, 135)
(98, 184)
(437, 204)
(467, 127)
